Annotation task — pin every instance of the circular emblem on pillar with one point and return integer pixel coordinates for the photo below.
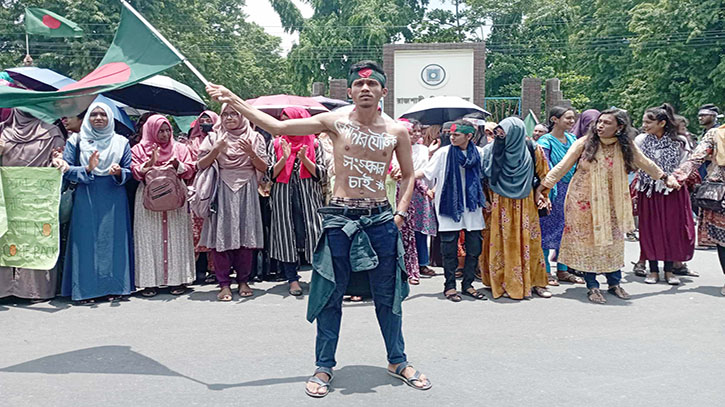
(433, 75)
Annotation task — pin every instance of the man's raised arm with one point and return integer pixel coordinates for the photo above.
(295, 127)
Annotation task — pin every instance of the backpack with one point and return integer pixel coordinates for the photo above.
(203, 192)
(163, 190)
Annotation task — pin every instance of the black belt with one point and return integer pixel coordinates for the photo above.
(346, 210)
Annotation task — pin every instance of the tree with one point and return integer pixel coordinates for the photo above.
(342, 32)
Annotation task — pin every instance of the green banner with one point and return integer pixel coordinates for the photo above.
(30, 197)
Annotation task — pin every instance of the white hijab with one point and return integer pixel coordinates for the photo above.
(110, 145)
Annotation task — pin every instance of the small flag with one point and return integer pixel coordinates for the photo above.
(39, 21)
(530, 122)
(126, 63)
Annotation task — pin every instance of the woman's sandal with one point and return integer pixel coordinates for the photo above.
(149, 292)
(553, 281)
(472, 292)
(595, 296)
(413, 280)
(246, 292)
(225, 294)
(639, 269)
(426, 271)
(178, 290)
(684, 271)
(320, 382)
(210, 279)
(410, 381)
(568, 277)
(453, 296)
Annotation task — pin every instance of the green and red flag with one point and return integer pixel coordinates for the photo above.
(137, 53)
(39, 21)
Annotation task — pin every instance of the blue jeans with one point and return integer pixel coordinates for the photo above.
(384, 239)
(421, 245)
(612, 279)
(290, 271)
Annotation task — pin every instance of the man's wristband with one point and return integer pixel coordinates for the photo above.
(403, 215)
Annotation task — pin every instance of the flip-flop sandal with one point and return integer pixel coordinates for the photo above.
(410, 381)
(320, 382)
(246, 294)
(178, 290)
(475, 294)
(149, 292)
(296, 293)
(427, 272)
(224, 297)
(413, 281)
(453, 297)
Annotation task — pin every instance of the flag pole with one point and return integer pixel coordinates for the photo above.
(153, 29)
(27, 45)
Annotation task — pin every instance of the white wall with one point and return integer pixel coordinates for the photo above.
(410, 86)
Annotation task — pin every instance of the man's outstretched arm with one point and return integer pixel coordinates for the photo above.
(296, 127)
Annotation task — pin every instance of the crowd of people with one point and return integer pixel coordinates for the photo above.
(371, 203)
(488, 201)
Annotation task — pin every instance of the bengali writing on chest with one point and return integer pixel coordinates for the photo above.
(364, 169)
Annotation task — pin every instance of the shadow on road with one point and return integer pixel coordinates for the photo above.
(122, 360)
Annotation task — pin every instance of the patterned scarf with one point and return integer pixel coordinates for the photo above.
(665, 152)
(451, 203)
(600, 187)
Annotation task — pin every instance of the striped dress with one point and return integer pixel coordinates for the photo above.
(283, 245)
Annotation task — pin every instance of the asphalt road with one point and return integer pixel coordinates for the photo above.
(664, 347)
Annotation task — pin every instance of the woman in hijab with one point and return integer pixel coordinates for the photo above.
(99, 257)
(296, 195)
(29, 142)
(164, 255)
(512, 262)
(235, 230)
(584, 123)
(598, 205)
(711, 229)
(203, 125)
(555, 144)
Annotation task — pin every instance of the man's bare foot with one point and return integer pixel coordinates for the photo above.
(408, 373)
(245, 290)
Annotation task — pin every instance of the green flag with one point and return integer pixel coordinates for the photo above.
(530, 122)
(135, 54)
(39, 21)
(31, 200)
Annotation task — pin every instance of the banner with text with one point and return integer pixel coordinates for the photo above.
(30, 198)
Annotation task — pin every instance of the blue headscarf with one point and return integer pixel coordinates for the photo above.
(557, 150)
(507, 163)
(451, 203)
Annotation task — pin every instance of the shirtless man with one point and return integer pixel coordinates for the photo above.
(363, 145)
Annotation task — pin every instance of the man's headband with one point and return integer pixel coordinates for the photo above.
(366, 73)
(707, 111)
(462, 128)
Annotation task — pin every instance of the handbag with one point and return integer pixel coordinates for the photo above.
(66, 196)
(536, 181)
(203, 191)
(710, 195)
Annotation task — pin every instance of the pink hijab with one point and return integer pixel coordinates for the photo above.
(236, 168)
(141, 152)
(296, 143)
(197, 135)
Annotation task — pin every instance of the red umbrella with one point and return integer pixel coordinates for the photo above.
(274, 104)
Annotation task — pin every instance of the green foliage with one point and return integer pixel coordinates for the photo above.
(342, 32)
(213, 34)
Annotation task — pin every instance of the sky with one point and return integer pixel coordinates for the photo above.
(262, 13)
